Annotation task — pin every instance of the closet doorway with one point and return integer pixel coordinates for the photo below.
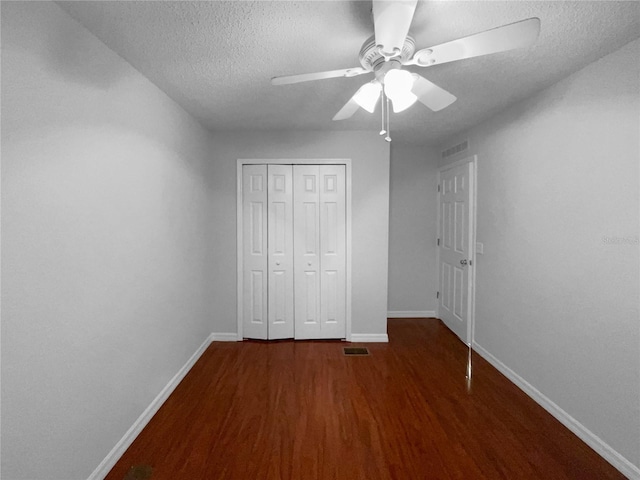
(294, 240)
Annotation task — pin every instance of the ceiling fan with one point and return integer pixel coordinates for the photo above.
(391, 48)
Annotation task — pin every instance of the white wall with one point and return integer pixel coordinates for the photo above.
(370, 212)
(105, 200)
(557, 288)
(413, 278)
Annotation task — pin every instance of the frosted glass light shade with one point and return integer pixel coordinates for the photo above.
(397, 86)
(403, 101)
(367, 96)
(397, 82)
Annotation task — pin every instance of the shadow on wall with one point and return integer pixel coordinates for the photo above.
(67, 55)
(80, 89)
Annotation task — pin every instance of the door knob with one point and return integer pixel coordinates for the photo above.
(463, 262)
(309, 264)
(278, 263)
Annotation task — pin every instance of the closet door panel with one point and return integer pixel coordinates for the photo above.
(280, 200)
(333, 251)
(254, 251)
(306, 226)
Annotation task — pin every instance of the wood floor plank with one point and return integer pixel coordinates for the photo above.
(303, 410)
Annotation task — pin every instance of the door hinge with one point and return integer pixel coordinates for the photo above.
(470, 262)
(438, 242)
(438, 187)
(437, 294)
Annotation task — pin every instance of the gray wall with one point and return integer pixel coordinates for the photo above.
(105, 205)
(557, 287)
(413, 277)
(370, 203)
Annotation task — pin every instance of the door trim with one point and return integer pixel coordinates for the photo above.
(471, 301)
(239, 255)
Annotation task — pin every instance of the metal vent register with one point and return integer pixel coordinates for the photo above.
(356, 351)
(139, 472)
(461, 147)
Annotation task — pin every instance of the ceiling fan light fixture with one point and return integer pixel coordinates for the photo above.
(397, 86)
(367, 96)
(397, 82)
(391, 48)
(403, 101)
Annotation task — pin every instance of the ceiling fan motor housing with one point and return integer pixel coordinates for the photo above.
(372, 59)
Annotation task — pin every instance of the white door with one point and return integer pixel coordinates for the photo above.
(306, 220)
(280, 248)
(254, 251)
(319, 251)
(333, 288)
(456, 234)
(294, 251)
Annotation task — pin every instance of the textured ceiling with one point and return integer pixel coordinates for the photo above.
(216, 58)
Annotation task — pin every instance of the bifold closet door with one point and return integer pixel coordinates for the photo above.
(280, 251)
(254, 251)
(319, 212)
(333, 251)
(294, 251)
(267, 251)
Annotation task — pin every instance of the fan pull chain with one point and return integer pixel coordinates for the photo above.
(388, 137)
(382, 131)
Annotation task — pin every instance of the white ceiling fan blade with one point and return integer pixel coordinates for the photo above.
(391, 21)
(431, 95)
(348, 110)
(306, 77)
(500, 39)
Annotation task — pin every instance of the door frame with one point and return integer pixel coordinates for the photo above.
(239, 234)
(473, 184)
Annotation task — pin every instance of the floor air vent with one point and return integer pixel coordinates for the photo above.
(356, 351)
(139, 472)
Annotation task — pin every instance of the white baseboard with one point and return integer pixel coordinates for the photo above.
(412, 314)
(625, 467)
(224, 337)
(125, 442)
(369, 337)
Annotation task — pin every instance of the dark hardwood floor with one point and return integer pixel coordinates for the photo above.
(303, 410)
